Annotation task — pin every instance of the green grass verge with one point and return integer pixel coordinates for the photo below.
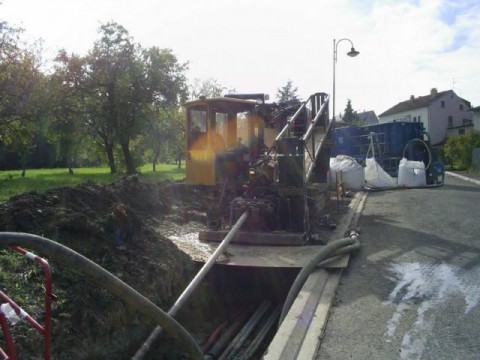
(41, 180)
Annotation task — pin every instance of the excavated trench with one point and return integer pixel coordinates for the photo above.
(89, 322)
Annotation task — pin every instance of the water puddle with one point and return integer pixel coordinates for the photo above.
(425, 291)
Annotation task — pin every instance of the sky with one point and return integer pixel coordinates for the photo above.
(406, 47)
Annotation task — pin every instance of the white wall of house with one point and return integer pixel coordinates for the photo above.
(415, 115)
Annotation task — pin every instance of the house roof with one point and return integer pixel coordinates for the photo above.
(418, 102)
(368, 117)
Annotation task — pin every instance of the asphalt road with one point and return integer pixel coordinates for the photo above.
(413, 291)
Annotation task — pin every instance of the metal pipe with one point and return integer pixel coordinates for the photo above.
(47, 324)
(227, 336)
(314, 121)
(11, 353)
(258, 340)
(238, 341)
(193, 285)
(290, 122)
(106, 280)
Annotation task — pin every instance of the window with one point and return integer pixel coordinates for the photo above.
(467, 122)
(414, 119)
(198, 129)
(418, 118)
(442, 103)
(450, 121)
(460, 107)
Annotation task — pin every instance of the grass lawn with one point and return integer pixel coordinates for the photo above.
(40, 180)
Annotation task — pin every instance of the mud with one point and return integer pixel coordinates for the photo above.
(88, 322)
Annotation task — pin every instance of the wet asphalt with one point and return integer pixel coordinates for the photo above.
(413, 290)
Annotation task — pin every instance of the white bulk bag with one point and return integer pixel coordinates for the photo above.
(375, 176)
(351, 172)
(411, 173)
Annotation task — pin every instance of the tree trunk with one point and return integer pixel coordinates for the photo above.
(70, 167)
(110, 158)
(156, 154)
(179, 159)
(24, 165)
(129, 164)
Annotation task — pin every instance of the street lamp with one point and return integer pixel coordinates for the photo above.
(351, 53)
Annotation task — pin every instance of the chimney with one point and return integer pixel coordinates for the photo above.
(433, 92)
(412, 97)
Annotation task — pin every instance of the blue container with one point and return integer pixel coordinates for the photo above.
(346, 140)
(390, 142)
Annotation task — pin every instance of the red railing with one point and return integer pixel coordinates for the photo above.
(45, 329)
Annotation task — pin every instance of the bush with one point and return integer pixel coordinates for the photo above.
(459, 149)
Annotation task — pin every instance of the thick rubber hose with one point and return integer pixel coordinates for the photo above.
(430, 158)
(104, 279)
(335, 248)
(374, 189)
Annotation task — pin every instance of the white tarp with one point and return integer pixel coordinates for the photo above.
(375, 176)
(411, 173)
(349, 170)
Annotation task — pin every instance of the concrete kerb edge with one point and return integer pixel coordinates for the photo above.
(464, 178)
(353, 217)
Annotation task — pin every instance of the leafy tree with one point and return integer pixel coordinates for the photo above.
(459, 149)
(287, 93)
(350, 116)
(67, 106)
(108, 79)
(22, 101)
(165, 135)
(209, 88)
(126, 83)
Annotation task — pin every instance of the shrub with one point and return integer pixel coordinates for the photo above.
(459, 149)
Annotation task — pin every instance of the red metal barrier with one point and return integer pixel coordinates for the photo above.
(44, 329)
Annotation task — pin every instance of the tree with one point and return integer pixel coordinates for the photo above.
(209, 88)
(126, 84)
(165, 134)
(350, 116)
(67, 106)
(107, 80)
(459, 149)
(287, 93)
(22, 101)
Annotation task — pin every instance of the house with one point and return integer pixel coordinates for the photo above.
(367, 118)
(443, 113)
(476, 118)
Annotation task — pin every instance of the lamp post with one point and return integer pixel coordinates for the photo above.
(351, 53)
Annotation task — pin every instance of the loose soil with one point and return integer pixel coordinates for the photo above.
(91, 323)
(88, 322)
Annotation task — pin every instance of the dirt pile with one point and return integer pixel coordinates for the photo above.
(89, 322)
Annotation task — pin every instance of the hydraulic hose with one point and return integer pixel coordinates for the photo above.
(334, 248)
(104, 279)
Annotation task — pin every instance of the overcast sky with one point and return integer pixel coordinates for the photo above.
(406, 47)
